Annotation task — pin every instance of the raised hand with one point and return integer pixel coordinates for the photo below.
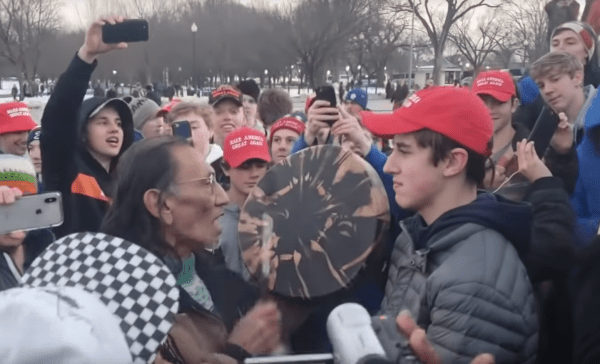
(530, 165)
(93, 45)
(319, 113)
(562, 140)
(348, 125)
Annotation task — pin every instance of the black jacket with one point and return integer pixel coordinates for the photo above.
(68, 167)
(586, 347)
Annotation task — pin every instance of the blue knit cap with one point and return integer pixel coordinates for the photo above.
(528, 89)
(358, 96)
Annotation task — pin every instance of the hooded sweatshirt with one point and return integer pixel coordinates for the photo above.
(68, 166)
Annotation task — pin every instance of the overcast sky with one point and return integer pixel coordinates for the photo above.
(73, 17)
(75, 12)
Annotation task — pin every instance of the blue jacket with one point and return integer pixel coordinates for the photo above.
(586, 198)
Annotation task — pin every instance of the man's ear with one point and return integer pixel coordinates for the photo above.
(151, 202)
(456, 162)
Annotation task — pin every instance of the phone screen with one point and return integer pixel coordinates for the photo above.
(182, 129)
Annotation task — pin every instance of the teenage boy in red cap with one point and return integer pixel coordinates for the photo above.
(456, 267)
(15, 124)
(283, 134)
(245, 160)
(227, 103)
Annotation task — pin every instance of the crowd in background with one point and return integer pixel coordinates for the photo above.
(492, 253)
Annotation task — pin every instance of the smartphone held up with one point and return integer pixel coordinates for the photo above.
(128, 31)
(327, 93)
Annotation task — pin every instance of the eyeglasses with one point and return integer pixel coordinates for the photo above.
(211, 180)
(170, 352)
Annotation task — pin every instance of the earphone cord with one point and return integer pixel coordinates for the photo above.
(505, 182)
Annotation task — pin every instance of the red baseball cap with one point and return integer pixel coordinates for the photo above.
(497, 84)
(456, 113)
(287, 122)
(15, 117)
(168, 107)
(244, 144)
(225, 92)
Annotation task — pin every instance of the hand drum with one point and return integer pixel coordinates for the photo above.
(309, 225)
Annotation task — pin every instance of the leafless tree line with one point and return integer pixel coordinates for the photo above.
(236, 40)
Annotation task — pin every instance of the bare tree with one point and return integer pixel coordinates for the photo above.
(475, 43)
(24, 26)
(378, 40)
(437, 22)
(527, 20)
(319, 28)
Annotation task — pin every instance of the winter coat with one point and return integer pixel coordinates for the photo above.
(586, 343)
(463, 282)
(68, 166)
(586, 198)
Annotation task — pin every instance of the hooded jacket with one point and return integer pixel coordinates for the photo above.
(586, 198)
(68, 166)
(462, 280)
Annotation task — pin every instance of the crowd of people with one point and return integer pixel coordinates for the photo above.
(491, 256)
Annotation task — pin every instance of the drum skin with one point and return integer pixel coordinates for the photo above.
(309, 225)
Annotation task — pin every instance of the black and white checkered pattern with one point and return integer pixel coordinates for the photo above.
(134, 284)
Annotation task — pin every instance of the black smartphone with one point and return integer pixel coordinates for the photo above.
(129, 31)
(543, 130)
(182, 129)
(327, 93)
(541, 135)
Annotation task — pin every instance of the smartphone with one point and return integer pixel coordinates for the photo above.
(32, 212)
(543, 130)
(182, 129)
(327, 93)
(541, 135)
(129, 31)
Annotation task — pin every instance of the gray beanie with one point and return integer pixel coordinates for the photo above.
(143, 110)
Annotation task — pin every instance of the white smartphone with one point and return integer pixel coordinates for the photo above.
(32, 212)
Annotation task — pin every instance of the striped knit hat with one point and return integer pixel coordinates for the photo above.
(16, 171)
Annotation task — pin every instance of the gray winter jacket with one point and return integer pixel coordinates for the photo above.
(466, 286)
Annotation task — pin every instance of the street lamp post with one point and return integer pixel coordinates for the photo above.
(360, 75)
(267, 75)
(194, 30)
(525, 46)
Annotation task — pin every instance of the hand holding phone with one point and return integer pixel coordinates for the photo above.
(543, 130)
(327, 93)
(31, 213)
(94, 45)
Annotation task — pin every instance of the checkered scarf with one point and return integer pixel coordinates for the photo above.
(135, 285)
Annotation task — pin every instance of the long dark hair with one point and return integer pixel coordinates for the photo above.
(148, 164)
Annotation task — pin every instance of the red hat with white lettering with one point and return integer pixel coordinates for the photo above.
(15, 117)
(287, 122)
(456, 113)
(244, 144)
(497, 84)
